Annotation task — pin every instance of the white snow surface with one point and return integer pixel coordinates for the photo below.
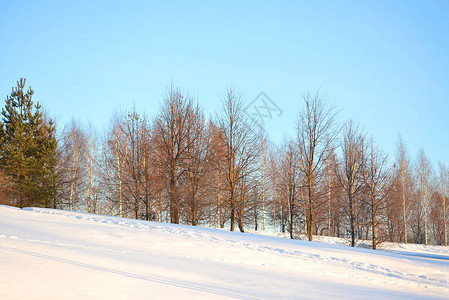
(55, 254)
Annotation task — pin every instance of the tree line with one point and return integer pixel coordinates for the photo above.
(182, 166)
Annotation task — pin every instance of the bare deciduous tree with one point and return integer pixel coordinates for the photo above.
(91, 155)
(264, 178)
(198, 165)
(424, 172)
(218, 160)
(332, 193)
(406, 184)
(316, 135)
(289, 182)
(444, 176)
(376, 177)
(172, 127)
(350, 173)
(135, 132)
(116, 152)
(73, 161)
(239, 135)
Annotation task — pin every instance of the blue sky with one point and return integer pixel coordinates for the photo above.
(383, 63)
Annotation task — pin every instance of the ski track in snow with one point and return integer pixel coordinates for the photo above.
(389, 275)
(152, 278)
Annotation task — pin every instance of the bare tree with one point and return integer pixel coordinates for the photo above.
(333, 205)
(159, 175)
(444, 181)
(316, 135)
(376, 177)
(172, 127)
(116, 151)
(198, 165)
(105, 178)
(239, 135)
(265, 151)
(135, 132)
(288, 179)
(217, 158)
(91, 155)
(350, 173)
(406, 183)
(73, 164)
(150, 187)
(259, 184)
(127, 166)
(424, 173)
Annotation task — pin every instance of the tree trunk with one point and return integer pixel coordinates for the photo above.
(255, 217)
(373, 222)
(240, 218)
(119, 169)
(351, 213)
(290, 221)
(310, 216)
(445, 221)
(404, 205)
(329, 194)
(232, 210)
(425, 216)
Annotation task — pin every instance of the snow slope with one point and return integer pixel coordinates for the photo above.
(53, 254)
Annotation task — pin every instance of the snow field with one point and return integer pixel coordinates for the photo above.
(53, 254)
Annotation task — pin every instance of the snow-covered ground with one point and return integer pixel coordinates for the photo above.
(53, 254)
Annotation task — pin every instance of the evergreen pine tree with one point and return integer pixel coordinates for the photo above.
(28, 150)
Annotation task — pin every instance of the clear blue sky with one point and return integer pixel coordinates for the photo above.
(385, 63)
